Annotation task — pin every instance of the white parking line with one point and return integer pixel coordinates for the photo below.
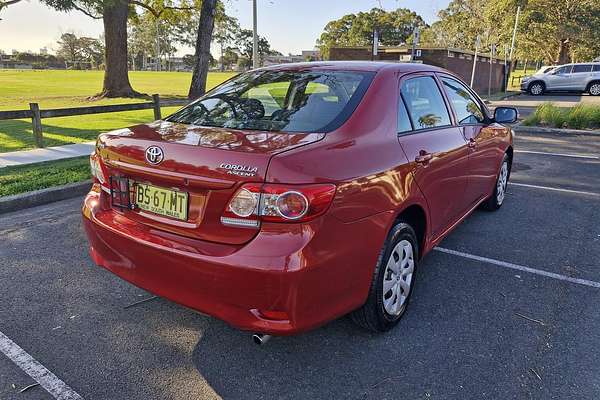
(558, 154)
(522, 268)
(555, 189)
(37, 371)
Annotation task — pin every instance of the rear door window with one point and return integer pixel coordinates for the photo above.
(582, 68)
(596, 67)
(425, 103)
(465, 106)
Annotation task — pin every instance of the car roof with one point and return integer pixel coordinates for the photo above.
(365, 66)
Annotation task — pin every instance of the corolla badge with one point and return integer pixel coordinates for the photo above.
(240, 170)
(154, 155)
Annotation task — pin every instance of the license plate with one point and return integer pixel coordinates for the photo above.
(157, 200)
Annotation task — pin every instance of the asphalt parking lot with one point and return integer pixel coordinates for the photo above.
(506, 308)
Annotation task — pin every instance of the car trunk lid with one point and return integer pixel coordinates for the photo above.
(208, 164)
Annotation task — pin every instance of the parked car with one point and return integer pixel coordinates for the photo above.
(565, 78)
(292, 195)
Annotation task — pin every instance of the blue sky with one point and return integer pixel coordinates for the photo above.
(289, 25)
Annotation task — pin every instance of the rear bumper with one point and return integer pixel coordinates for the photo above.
(288, 279)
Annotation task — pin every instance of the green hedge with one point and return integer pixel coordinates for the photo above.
(581, 116)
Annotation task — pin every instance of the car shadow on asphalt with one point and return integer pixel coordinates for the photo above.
(451, 343)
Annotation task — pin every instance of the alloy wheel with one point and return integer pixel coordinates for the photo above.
(536, 89)
(398, 277)
(502, 182)
(595, 89)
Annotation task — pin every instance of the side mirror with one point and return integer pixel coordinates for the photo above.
(506, 115)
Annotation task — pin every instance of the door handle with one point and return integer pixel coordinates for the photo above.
(472, 143)
(423, 157)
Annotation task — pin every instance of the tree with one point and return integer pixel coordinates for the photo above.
(69, 49)
(92, 50)
(244, 43)
(556, 31)
(226, 30)
(114, 14)
(202, 54)
(561, 28)
(79, 50)
(395, 27)
(150, 36)
(230, 57)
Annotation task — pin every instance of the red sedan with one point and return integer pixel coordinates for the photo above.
(292, 195)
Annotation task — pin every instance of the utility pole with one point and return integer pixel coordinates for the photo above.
(505, 68)
(255, 37)
(375, 44)
(514, 37)
(492, 57)
(477, 45)
(417, 36)
(157, 59)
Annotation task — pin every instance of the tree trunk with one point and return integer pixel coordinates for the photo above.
(202, 56)
(564, 52)
(116, 78)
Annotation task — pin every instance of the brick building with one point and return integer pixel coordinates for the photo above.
(458, 61)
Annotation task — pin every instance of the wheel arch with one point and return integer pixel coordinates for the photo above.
(510, 153)
(536, 81)
(416, 217)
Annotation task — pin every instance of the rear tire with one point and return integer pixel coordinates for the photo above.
(536, 88)
(594, 89)
(496, 200)
(393, 281)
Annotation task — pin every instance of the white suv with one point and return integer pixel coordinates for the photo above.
(565, 78)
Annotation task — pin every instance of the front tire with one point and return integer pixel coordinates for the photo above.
(536, 89)
(496, 200)
(393, 281)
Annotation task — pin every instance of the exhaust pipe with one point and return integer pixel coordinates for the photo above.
(260, 339)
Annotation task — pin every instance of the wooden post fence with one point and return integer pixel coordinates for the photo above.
(36, 114)
(36, 121)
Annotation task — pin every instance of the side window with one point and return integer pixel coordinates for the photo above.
(596, 67)
(563, 70)
(404, 124)
(425, 104)
(582, 68)
(466, 107)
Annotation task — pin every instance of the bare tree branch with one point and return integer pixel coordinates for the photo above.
(86, 12)
(146, 6)
(158, 13)
(7, 3)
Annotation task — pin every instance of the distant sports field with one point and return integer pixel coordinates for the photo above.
(57, 89)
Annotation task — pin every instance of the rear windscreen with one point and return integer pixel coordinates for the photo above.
(289, 101)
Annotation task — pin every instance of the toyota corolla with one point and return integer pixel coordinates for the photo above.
(290, 196)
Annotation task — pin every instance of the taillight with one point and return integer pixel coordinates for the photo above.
(253, 203)
(96, 169)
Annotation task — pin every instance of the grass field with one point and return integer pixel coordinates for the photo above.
(58, 89)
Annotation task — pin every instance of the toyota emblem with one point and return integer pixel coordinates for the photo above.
(154, 155)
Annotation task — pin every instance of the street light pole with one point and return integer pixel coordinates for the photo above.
(255, 37)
